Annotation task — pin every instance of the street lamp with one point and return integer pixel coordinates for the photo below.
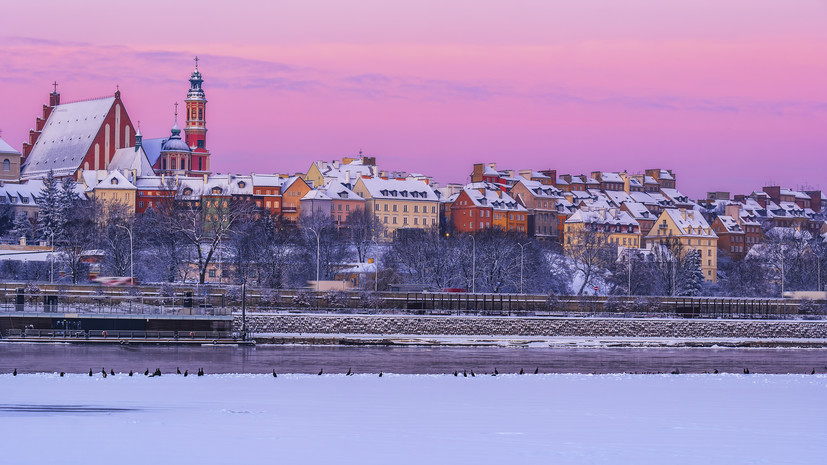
(318, 249)
(131, 257)
(375, 267)
(522, 249)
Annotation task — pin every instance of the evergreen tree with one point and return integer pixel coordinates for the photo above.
(691, 276)
(51, 218)
(23, 227)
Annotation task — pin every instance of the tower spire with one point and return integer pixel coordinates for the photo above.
(196, 62)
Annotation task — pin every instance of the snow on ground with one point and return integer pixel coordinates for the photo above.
(365, 419)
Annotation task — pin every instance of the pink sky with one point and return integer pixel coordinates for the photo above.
(730, 95)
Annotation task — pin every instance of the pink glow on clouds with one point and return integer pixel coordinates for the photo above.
(730, 95)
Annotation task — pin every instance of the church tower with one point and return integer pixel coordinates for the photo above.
(196, 126)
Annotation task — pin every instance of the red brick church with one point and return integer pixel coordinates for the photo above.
(84, 135)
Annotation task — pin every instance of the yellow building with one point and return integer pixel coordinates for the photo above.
(399, 203)
(692, 231)
(615, 226)
(115, 189)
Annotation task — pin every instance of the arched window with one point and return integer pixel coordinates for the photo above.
(6, 165)
(172, 164)
(164, 164)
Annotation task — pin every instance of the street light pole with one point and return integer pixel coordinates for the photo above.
(318, 249)
(375, 267)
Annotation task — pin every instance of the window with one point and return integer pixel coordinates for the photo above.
(386, 207)
(212, 273)
(416, 220)
(394, 220)
(377, 207)
(416, 208)
(394, 207)
(6, 165)
(339, 207)
(347, 207)
(405, 220)
(433, 209)
(200, 145)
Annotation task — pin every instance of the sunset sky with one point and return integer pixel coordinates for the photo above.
(730, 95)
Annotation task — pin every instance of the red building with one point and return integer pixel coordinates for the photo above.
(76, 136)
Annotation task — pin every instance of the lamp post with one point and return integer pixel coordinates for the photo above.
(522, 250)
(131, 257)
(318, 249)
(52, 261)
(375, 267)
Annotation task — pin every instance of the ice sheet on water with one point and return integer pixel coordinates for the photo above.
(421, 418)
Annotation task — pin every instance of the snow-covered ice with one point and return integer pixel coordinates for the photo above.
(365, 419)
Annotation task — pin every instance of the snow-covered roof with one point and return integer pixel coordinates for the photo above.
(492, 197)
(5, 148)
(24, 193)
(604, 216)
(338, 191)
(689, 223)
(730, 225)
(607, 176)
(618, 197)
(664, 174)
(66, 137)
(398, 189)
(541, 190)
(316, 194)
(115, 180)
(131, 159)
(638, 211)
(266, 180)
(677, 197)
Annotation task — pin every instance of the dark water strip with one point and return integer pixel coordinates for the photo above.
(35, 358)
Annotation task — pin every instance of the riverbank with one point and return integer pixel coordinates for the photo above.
(411, 340)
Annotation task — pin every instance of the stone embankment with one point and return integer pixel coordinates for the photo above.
(531, 326)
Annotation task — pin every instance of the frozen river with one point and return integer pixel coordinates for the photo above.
(38, 357)
(414, 419)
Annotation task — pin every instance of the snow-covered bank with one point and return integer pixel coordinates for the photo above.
(533, 341)
(414, 419)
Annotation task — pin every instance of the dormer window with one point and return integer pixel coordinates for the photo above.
(187, 191)
(241, 184)
(114, 181)
(216, 190)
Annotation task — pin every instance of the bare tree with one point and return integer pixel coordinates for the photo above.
(361, 230)
(590, 251)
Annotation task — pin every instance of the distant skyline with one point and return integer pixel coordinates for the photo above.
(729, 95)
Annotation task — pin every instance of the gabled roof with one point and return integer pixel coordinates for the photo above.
(604, 216)
(316, 194)
(730, 225)
(338, 191)
(152, 147)
(131, 159)
(396, 189)
(688, 222)
(66, 137)
(492, 198)
(267, 180)
(115, 180)
(5, 148)
(541, 190)
(639, 211)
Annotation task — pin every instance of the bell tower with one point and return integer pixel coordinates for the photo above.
(196, 126)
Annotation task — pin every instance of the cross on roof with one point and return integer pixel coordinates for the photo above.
(196, 62)
(176, 112)
(55, 84)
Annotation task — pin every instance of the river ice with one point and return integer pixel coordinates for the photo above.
(416, 419)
